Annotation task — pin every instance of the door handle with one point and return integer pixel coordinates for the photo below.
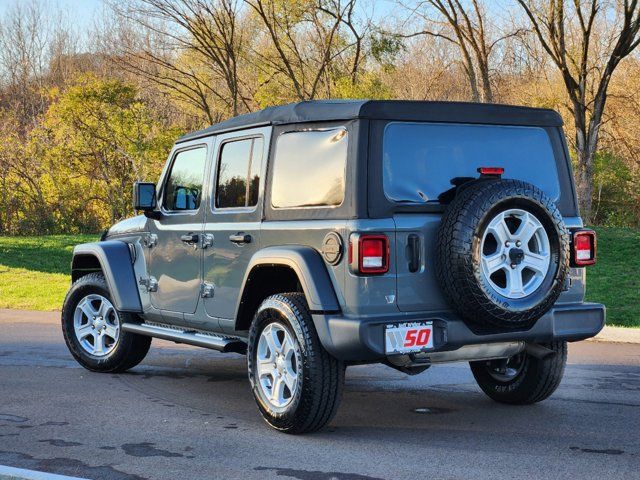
(190, 238)
(413, 243)
(240, 238)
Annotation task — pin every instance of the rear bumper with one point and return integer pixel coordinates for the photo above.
(362, 339)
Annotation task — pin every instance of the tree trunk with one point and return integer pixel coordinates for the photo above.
(470, 71)
(584, 182)
(487, 92)
(586, 141)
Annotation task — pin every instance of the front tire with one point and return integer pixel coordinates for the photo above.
(92, 328)
(522, 379)
(296, 383)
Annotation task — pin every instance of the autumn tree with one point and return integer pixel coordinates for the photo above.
(99, 139)
(309, 47)
(467, 26)
(586, 40)
(190, 48)
(32, 42)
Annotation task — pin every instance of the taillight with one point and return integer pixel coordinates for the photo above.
(371, 252)
(583, 250)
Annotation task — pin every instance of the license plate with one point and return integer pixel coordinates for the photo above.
(408, 337)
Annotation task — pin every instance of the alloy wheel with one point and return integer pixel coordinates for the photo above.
(96, 325)
(515, 254)
(278, 361)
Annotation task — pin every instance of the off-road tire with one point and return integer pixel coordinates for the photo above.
(458, 264)
(537, 379)
(130, 349)
(321, 375)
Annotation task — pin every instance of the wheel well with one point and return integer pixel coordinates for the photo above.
(262, 282)
(81, 265)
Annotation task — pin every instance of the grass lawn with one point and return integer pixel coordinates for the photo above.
(34, 273)
(615, 279)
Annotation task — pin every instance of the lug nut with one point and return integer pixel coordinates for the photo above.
(518, 243)
(506, 244)
(513, 265)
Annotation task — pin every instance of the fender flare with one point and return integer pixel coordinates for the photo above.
(307, 265)
(116, 263)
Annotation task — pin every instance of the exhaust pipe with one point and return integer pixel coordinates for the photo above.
(467, 353)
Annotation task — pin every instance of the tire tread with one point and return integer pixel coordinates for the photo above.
(538, 380)
(132, 349)
(322, 386)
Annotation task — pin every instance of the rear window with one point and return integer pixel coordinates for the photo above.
(421, 159)
(309, 169)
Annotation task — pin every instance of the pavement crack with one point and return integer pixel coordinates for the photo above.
(58, 442)
(605, 451)
(316, 474)
(5, 417)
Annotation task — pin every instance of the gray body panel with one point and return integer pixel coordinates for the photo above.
(308, 265)
(176, 265)
(420, 292)
(349, 310)
(362, 339)
(225, 262)
(129, 227)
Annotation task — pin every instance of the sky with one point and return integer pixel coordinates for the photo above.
(79, 12)
(82, 12)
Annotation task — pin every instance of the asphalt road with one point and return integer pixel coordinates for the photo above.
(187, 413)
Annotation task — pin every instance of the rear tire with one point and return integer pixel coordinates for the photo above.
(525, 379)
(284, 347)
(118, 354)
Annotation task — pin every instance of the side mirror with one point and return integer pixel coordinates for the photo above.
(144, 196)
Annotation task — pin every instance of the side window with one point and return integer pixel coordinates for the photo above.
(309, 169)
(184, 185)
(239, 173)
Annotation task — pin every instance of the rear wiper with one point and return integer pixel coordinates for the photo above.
(424, 198)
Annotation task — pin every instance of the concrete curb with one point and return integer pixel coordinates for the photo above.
(618, 335)
(10, 473)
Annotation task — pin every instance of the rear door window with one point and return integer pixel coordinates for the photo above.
(421, 159)
(239, 173)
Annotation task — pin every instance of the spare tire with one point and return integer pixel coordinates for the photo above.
(502, 254)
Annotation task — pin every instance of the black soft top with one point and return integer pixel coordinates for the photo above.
(402, 110)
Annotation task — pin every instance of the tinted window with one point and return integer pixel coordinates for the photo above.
(309, 169)
(420, 159)
(239, 173)
(184, 185)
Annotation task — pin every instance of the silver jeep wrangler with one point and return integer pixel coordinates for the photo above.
(323, 234)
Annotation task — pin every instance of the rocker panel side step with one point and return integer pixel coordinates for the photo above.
(189, 337)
